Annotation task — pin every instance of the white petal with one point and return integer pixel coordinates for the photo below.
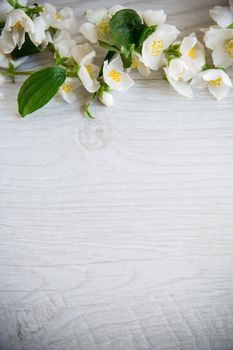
(226, 79)
(7, 44)
(219, 92)
(222, 16)
(89, 31)
(187, 44)
(154, 17)
(83, 54)
(89, 84)
(221, 58)
(106, 98)
(96, 16)
(116, 63)
(65, 47)
(217, 36)
(180, 86)
(39, 36)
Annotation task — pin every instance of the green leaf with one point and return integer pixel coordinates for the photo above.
(126, 55)
(39, 89)
(27, 49)
(107, 46)
(172, 52)
(230, 26)
(123, 27)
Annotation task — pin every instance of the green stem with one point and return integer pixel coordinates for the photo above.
(16, 73)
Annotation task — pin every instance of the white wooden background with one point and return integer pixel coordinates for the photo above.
(117, 234)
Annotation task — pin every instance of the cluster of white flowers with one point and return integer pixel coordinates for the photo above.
(184, 62)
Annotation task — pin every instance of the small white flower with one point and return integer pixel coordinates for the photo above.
(193, 53)
(152, 18)
(68, 89)
(88, 72)
(179, 75)
(17, 24)
(63, 42)
(220, 41)
(137, 63)
(153, 47)
(216, 80)
(63, 19)
(223, 16)
(97, 27)
(115, 76)
(106, 98)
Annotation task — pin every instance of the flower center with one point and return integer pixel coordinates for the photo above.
(67, 88)
(192, 53)
(90, 70)
(58, 16)
(18, 26)
(116, 76)
(135, 63)
(215, 83)
(156, 47)
(103, 28)
(229, 48)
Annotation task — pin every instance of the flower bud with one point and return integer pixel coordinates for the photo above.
(106, 98)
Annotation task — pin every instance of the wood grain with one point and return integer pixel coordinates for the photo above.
(117, 234)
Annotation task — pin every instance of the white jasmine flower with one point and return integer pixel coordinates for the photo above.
(63, 42)
(69, 88)
(115, 76)
(193, 53)
(179, 75)
(152, 18)
(223, 16)
(88, 72)
(97, 27)
(106, 98)
(221, 42)
(17, 24)
(137, 63)
(63, 19)
(153, 47)
(216, 80)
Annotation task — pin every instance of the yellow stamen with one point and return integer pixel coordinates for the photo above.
(58, 16)
(229, 48)
(116, 76)
(215, 83)
(90, 69)
(192, 52)
(156, 47)
(67, 88)
(18, 26)
(135, 63)
(103, 28)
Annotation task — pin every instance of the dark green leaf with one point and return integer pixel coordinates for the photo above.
(230, 26)
(39, 89)
(27, 49)
(126, 56)
(108, 46)
(123, 27)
